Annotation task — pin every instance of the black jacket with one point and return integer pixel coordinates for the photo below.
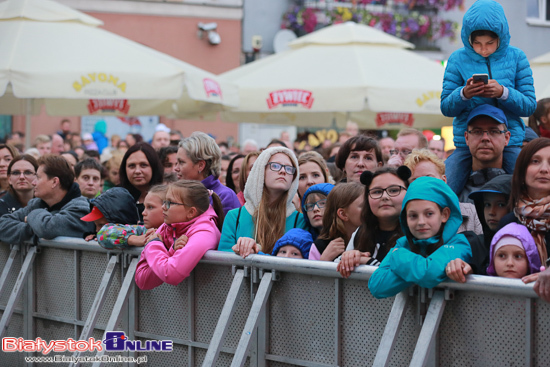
(481, 244)
(117, 206)
(9, 204)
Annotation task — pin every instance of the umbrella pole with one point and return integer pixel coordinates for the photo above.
(28, 125)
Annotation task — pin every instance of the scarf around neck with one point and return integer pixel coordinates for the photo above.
(535, 215)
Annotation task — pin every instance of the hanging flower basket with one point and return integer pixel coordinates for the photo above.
(407, 19)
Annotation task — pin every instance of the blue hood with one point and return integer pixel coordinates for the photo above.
(299, 238)
(485, 15)
(437, 191)
(323, 188)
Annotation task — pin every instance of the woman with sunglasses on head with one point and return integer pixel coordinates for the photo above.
(268, 212)
(7, 154)
(380, 229)
(21, 173)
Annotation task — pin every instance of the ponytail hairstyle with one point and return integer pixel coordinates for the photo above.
(159, 190)
(365, 238)
(341, 196)
(193, 193)
(542, 110)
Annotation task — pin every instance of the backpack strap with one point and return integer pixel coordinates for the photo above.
(296, 219)
(238, 216)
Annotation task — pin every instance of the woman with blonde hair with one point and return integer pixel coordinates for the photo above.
(313, 170)
(199, 158)
(268, 212)
(113, 168)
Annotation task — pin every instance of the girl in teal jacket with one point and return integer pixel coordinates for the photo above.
(268, 212)
(430, 219)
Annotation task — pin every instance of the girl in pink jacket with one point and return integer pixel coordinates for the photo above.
(191, 227)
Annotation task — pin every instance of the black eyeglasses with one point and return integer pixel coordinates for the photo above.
(392, 191)
(27, 174)
(168, 204)
(320, 204)
(493, 133)
(274, 166)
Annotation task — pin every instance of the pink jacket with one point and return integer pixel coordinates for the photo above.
(159, 264)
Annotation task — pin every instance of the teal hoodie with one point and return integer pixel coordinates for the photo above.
(402, 268)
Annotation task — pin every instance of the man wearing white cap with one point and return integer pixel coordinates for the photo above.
(161, 139)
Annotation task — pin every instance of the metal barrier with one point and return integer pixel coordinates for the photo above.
(266, 311)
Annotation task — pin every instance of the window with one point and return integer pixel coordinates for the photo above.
(538, 12)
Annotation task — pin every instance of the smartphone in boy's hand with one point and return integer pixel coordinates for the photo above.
(481, 78)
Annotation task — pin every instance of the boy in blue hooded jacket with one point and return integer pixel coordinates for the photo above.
(486, 50)
(430, 219)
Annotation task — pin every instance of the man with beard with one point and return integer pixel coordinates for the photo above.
(486, 136)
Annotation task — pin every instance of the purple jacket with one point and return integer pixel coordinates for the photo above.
(521, 233)
(227, 196)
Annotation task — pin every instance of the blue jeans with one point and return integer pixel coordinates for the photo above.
(459, 166)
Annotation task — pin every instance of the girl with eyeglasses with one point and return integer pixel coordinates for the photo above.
(430, 219)
(191, 227)
(340, 219)
(313, 207)
(379, 230)
(268, 212)
(7, 154)
(21, 173)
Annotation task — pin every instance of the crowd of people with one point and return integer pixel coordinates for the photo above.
(418, 213)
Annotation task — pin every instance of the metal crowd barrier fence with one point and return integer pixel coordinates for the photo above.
(264, 311)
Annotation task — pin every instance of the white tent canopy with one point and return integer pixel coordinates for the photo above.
(57, 56)
(341, 72)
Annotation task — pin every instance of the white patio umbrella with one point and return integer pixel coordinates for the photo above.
(55, 56)
(541, 74)
(346, 71)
